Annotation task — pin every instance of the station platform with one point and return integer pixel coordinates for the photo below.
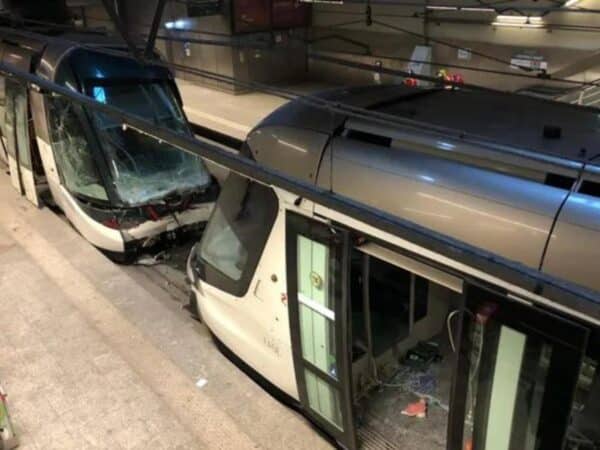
(235, 115)
(96, 355)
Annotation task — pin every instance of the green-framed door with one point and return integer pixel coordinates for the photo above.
(24, 143)
(17, 125)
(317, 274)
(517, 372)
(10, 127)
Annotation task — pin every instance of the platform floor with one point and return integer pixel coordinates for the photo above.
(94, 355)
(234, 115)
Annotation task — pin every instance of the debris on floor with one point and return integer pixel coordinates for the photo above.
(152, 260)
(8, 439)
(417, 409)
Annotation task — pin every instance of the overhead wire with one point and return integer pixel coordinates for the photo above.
(567, 295)
(320, 103)
(501, 6)
(448, 44)
(263, 45)
(314, 101)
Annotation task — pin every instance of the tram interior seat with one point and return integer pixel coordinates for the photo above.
(394, 312)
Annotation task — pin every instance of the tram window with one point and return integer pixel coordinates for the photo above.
(389, 299)
(9, 122)
(237, 233)
(144, 169)
(72, 151)
(2, 107)
(22, 127)
(390, 291)
(316, 306)
(323, 399)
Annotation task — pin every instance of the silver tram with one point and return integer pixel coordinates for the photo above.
(385, 343)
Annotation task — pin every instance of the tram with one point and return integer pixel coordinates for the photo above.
(382, 342)
(122, 190)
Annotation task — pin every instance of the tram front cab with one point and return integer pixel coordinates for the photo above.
(122, 190)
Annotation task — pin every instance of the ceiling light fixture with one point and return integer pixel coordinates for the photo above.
(458, 8)
(570, 3)
(518, 21)
(478, 9)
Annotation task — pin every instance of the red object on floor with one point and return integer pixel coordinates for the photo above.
(416, 409)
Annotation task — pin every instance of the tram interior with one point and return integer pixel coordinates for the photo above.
(402, 353)
(404, 329)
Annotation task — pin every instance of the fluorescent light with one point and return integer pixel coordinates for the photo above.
(518, 25)
(333, 2)
(478, 9)
(570, 3)
(458, 8)
(179, 24)
(442, 8)
(518, 21)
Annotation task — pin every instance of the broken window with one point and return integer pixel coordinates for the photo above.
(144, 169)
(236, 234)
(72, 151)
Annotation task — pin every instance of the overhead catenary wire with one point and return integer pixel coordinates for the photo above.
(449, 44)
(579, 301)
(262, 45)
(327, 105)
(501, 6)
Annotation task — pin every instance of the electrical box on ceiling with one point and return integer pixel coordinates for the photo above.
(266, 15)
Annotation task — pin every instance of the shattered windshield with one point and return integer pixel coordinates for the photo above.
(143, 169)
(72, 151)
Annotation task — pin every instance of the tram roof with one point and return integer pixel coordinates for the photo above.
(518, 121)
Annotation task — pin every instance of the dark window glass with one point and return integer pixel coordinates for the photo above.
(590, 188)
(421, 296)
(389, 295)
(559, 181)
(390, 289)
(369, 138)
(236, 234)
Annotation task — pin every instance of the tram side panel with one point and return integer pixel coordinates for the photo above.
(246, 308)
(503, 214)
(573, 251)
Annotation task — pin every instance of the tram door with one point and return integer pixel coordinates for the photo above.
(317, 299)
(517, 371)
(18, 129)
